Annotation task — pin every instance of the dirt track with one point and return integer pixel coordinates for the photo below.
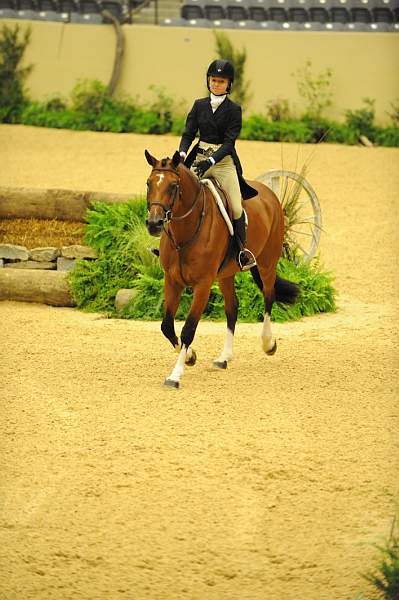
(270, 480)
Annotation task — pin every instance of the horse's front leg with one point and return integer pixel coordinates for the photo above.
(172, 292)
(231, 309)
(187, 354)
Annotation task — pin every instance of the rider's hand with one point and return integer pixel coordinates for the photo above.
(183, 156)
(201, 167)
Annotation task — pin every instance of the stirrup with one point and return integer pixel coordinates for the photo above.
(246, 260)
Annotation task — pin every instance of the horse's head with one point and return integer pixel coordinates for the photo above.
(163, 191)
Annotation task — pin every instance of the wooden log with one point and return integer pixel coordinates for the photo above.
(46, 287)
(64, 205)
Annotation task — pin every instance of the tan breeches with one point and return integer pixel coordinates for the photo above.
(226, 174)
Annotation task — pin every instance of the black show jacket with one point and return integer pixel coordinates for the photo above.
(220, 127)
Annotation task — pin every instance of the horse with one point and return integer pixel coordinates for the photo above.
(196, 249)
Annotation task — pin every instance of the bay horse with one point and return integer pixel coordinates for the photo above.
(194, 248)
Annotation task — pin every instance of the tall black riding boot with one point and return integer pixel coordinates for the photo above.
(245, 258)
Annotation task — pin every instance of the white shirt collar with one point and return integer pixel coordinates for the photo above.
(217, 101)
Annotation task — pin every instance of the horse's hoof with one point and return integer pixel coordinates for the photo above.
(169, 383)
(272, 350)
(220, 364)
(190, 362)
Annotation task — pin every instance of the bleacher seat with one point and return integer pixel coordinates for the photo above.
(192, 11)
(8, 9)
(257, 12)
(339, 14)
(319, 14)
(236, 10)
(382, 14)
(214, 10)
(298, 14)
(278, 14)
(360, 14)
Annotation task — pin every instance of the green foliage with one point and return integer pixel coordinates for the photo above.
(387, 136)
(278, 109)
(385, 578)
(92, 108)
(226, 51)
(394, 114)
(314, 89)
(361, 120)
(12, 75)
(118, 234)
(257, 127)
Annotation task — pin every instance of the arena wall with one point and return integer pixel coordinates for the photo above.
(363, 64)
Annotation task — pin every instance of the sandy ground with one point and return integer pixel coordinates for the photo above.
(271, 480)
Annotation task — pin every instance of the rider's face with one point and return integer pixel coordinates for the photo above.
(218, 85)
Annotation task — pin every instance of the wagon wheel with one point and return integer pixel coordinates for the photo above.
(301, 211)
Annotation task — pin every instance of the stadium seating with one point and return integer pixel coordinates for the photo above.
(312, 15)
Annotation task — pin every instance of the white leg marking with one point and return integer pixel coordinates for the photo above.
(179, 366)
(227, 352)
(267, 337)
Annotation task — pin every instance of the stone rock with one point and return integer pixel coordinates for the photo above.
(365, 141)
(12, 252)
(31, 264)
(45, 254)
(47, 287)
(77, 251)
(123, 298)
(65, 264)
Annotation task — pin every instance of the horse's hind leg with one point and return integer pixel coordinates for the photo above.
(267, 274)
(231, 309)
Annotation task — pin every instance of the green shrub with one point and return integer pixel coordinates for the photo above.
(361, 120)
(314, 89)
(118, 234)
(388, 136)
(385, 577)
(257, 127)
(12, 76)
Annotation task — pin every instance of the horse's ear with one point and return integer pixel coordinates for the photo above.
(150, 159)
(176, 159)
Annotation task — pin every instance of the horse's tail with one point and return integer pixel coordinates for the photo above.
(285, 291)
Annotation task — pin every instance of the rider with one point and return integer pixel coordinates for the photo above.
(219, 120)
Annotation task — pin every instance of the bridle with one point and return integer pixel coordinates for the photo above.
(168, 210)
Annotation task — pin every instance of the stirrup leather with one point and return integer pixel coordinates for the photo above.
(251, 262)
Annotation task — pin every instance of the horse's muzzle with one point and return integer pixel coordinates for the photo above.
(154, 227)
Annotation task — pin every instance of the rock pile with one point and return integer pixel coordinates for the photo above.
(50, 258)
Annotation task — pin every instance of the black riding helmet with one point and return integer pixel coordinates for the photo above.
(221, 68)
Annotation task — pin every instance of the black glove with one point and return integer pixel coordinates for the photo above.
(201, 167)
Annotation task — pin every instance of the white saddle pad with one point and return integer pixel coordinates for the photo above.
(219, 202)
